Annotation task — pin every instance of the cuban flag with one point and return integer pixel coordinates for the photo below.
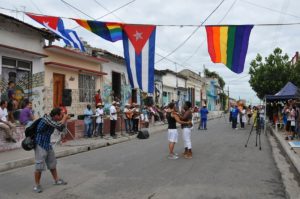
(139, 50)
(56, 25)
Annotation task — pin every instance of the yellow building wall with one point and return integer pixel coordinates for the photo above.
(63, 59)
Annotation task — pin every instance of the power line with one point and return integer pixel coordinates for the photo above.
(97, 2)
(174, 62)
(194, 53)
(76, 8)
(172, 25)
(180, 45)
(273, 10)
(36, 6)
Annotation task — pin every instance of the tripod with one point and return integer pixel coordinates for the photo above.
(223, 116)
(67, 131)
(256, 124)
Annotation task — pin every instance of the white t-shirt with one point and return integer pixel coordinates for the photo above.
(3, 114)
(99, 114)
(112, 110)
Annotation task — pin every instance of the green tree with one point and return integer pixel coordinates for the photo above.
(269, 76)
(213, 74)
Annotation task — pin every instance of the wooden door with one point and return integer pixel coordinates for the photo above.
(58, 87)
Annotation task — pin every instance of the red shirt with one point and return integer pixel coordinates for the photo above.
(98, 99)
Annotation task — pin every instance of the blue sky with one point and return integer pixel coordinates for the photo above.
(193, 54)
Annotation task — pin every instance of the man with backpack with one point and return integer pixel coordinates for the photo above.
(44, 153)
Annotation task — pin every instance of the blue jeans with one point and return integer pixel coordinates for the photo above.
(128, 125)
(203, 123)
(88, 129)
(99, 129)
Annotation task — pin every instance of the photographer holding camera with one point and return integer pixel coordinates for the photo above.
(44, 153)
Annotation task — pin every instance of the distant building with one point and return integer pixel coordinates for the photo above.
(295, 58)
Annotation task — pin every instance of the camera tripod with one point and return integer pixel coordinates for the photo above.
(223, 116)
(61, 134)
(256, 124)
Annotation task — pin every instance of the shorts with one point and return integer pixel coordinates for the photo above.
(43, 158)
(173, 135)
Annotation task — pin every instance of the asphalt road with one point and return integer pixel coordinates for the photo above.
(221, 168)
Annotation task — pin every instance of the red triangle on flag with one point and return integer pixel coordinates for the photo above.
(138, 35)
(49, 20)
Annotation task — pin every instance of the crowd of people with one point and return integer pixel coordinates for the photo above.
(246, 115)
(287, 115)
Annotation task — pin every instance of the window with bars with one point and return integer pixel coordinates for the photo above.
(18, 71)
(86, 86)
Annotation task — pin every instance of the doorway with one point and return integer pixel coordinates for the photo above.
(116, 84)
(58, 87)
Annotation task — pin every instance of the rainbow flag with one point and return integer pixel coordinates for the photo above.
(229, 45)
(107, 30)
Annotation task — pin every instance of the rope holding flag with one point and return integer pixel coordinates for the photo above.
(229, 45)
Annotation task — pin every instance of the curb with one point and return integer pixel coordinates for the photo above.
(80, 149)
(287, 150)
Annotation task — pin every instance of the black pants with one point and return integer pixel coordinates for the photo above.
(112, 128)
(242, 123)
(135, 125)
(234, 122)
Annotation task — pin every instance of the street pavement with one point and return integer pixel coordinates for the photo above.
(221, 168)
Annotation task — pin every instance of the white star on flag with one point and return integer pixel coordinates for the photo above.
(138, 35)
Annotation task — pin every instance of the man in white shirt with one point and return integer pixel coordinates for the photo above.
(99, 113)
(113, 119)
(8, 127)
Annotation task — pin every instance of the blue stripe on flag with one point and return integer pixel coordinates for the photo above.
(138, 68)
(151, 62)
(127, 59)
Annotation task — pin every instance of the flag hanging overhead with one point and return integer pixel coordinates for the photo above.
(229, 45)
(107, 30)
(139, 50)
(56, 25)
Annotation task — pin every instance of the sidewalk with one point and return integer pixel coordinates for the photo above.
(292, 153)
(20, 158)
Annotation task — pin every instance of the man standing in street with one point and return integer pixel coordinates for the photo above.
(203, 114)
(186, 134)
(44, 153)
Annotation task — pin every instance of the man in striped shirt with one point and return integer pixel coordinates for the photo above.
(44, 153)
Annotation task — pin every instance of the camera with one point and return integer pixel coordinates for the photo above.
(71, 115)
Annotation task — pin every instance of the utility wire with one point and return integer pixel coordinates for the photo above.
(180, 45)
(76, 8)
(173, 25)
(273, 10)
(97, 2)
(198, 48)
(36, 6)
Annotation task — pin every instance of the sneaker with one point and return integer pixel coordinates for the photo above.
(60, 182)
(38, 189)
(172, 157)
